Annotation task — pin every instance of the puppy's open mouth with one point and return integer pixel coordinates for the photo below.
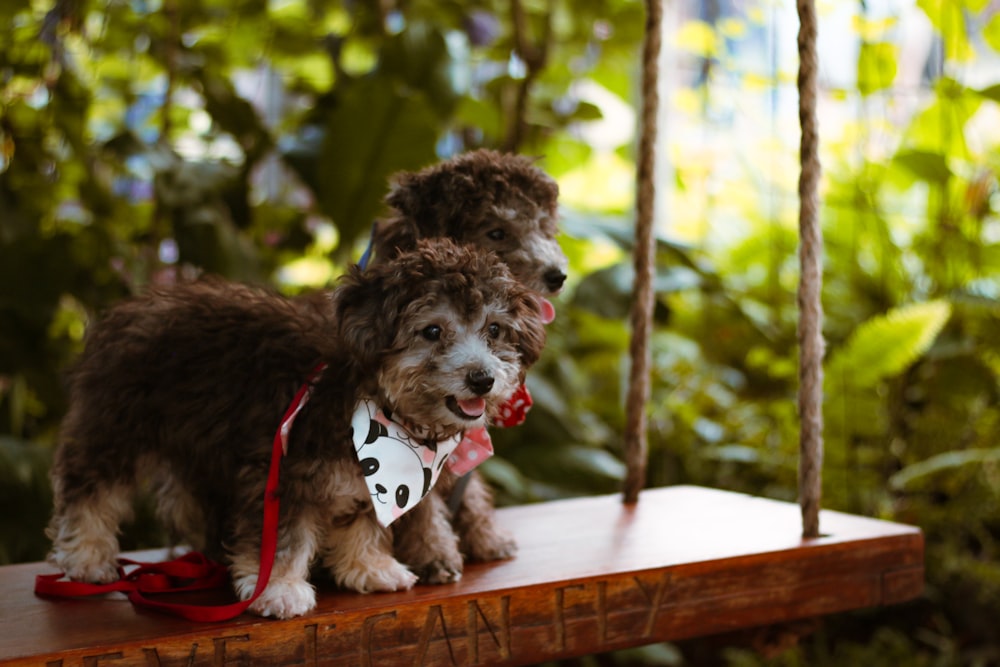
(467, 408)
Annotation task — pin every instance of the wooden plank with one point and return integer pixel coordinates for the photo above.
(591, 575)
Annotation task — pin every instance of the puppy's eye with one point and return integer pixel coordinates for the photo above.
(494, 330)
(431, 332)
(497, 234)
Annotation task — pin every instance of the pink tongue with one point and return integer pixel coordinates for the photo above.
(548, 310)
(473, 407)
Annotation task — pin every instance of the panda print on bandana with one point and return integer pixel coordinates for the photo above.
(399, 469)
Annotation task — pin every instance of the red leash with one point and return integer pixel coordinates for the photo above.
(193, 571)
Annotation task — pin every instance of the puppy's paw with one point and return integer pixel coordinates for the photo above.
(285, 599)
(102, 573)
(488, 544)
(96, 570)
(439, 571)
(382, 573)
(434, 563)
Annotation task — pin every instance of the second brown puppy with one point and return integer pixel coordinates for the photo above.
(505, 204)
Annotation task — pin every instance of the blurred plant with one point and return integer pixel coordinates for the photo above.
(141, 142)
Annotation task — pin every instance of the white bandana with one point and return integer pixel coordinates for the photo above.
(398, 468)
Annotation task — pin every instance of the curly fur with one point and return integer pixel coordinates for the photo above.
(505, 204)
(496, 201)
(189, 382)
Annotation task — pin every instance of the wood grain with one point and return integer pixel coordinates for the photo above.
(592, 574)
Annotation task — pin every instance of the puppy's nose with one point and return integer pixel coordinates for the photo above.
(479, 381)
(554, 279)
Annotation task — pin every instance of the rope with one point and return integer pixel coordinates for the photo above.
(810, 281)
(636, 445)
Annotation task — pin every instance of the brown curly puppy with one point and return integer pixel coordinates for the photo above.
(496, 201)
(186, 385)
(499, 202)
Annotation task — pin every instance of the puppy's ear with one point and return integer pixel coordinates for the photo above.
(359, 307)
(404, 193)
(429, 199)
(529, 330)
(393, 236)
(543, 190)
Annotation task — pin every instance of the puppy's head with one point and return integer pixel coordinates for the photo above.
(444, 331)
(496, 201)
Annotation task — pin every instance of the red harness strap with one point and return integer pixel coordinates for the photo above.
(193, 571)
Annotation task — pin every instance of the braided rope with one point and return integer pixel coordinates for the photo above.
(811, 252)
(636, 445)
(810, 282)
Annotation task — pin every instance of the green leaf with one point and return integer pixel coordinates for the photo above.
(607, 292)
(418, 57)
(373, 131)
(571, 466)
(876, 66)
(478, 113)
(992, 92)
(941, 126)
(912, 475)
(925, 165)
(502, 475)
(9, 9)
(886, 345)
(732, 453)
(948, 19)
(991, 32)
(975, 5)
(586, 111)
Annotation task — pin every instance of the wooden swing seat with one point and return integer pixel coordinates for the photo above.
(591, 575)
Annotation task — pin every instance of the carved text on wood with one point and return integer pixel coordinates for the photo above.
(470, 631)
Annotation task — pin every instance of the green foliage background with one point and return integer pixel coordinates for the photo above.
(145, 140)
